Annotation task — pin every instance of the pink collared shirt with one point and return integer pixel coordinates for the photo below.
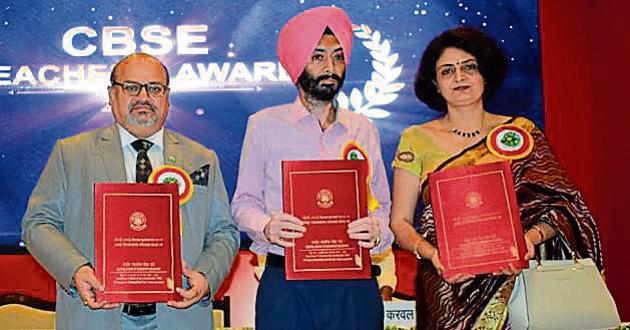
(290, 132)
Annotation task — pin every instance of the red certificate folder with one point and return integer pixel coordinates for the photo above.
(476, 219)
(137, 242)
(326, 195)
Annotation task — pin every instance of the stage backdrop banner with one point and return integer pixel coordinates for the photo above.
(55, 59)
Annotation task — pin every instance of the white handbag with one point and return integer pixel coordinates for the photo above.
(561, 294)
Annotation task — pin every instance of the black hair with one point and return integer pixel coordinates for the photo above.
(490, 58)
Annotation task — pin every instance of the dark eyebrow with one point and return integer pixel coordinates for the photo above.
(453, 64)
(322, 50)
(150, 82)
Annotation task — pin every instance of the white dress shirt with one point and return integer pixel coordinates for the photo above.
(155, 153)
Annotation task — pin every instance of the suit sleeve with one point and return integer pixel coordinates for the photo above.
(43, 223)
(222, 238)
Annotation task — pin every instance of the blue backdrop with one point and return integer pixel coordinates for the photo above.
(55, 58)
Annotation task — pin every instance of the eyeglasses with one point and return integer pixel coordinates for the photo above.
(132, 88)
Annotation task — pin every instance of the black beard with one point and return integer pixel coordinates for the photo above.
(325, 92)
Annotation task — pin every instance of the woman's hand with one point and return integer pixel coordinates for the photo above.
(437, 263)
(511, 270)
(530, 248)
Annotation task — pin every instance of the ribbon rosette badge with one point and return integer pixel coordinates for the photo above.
(174, 174)
(353, 151)
(510, 142)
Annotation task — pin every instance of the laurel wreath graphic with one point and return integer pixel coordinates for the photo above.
(382, 88)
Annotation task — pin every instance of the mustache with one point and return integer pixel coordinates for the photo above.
(144, 103)
(328, 76)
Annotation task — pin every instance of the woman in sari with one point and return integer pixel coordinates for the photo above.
(459, 73)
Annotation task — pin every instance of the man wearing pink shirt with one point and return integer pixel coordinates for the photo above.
(314, 47)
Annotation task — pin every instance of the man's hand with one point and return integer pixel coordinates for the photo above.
(86, 283)
(282, 228)
(199, 288)
(367, 230)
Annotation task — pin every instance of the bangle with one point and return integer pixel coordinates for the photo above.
(416, 251)
(540, 233)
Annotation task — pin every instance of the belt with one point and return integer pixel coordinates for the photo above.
(275, 260)
(139, 309)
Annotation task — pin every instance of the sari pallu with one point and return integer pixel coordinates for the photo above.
(544, 195)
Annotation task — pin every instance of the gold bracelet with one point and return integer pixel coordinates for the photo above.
(540, 232)
(417, 252)
(415, 249)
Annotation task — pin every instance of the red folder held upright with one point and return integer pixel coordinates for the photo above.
(137, 242)
(326, 195)
(477, 219)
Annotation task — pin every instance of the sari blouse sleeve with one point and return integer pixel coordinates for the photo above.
(408, 153)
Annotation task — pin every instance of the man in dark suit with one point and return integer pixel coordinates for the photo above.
(58, 227)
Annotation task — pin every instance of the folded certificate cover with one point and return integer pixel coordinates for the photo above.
(326, 195)
(137, 242)
(477, 219)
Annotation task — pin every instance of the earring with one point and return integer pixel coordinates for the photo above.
(436, 86)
